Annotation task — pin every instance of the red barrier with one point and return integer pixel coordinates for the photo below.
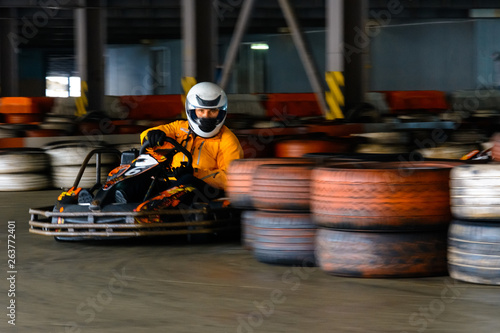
(18, 105)
(153, 106)
(293, 104)
(429, 100)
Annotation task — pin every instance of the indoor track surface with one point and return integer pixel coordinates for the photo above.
(171, 285)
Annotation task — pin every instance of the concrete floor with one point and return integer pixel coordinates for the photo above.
(171, 286)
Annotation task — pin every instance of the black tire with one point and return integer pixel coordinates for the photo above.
(247, 233)
(283, 238)
(474, 252)
(381, 255)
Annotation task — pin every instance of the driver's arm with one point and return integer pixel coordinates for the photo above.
(170, 130)
(230, 150)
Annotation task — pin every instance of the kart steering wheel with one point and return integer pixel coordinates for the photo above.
(177, 148)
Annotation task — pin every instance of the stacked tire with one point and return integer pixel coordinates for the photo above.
(382, 219)
(24, 169)
(66, 159)
(474, 235)
(299, 147)
(276, 224)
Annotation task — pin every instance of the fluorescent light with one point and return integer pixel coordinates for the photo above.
(259, 46)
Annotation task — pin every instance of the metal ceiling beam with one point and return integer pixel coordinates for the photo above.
(239, 31)
(304, 53)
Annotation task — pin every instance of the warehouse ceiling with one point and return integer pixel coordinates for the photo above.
(50, 24)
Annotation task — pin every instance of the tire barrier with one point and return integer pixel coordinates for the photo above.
(24, 169)
(73, 153)
(382, 219)
(282, 187)
(247, 234)
(24, 182)
(64, 176)
(474, 252)
(382, 196)
(475, 191)
(381, 254)
(240, 178)
(23, 118)
(283, 238)
(23, 160)
(298, 148)
(66, 159)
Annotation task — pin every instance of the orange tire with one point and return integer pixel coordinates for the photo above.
(381, 254)
(22, 118)
(282, 187)
(382, 195)
(283, 238)
(41, 132)
(298, 148)
(240, 178)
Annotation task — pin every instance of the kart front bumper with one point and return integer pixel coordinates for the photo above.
(45, 221)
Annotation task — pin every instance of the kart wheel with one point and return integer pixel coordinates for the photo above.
(382, 196)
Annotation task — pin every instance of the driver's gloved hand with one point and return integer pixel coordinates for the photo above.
(156, 137)
(185, 170)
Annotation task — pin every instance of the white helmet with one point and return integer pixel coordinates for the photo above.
(206, 95)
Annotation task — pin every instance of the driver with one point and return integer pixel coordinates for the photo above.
(213, 146)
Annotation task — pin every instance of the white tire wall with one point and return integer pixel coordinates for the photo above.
(24, 170)
(474, 252)
(23, 160)
(475, 191)
(74, 153)
(66, 159)
(24, 182)
(64, 176)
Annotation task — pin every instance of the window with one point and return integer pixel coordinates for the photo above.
(62, 86)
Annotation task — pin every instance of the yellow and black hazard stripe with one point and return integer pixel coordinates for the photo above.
(335, 95)
(82, 102)
(187, 83)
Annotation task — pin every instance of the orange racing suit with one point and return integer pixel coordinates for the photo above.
(211, 157)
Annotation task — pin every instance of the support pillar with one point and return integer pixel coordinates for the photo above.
(90, 29)
(9, 75)
(199, 35)
(356, 47)
(304, 53)
(334, 58)
(239, 31)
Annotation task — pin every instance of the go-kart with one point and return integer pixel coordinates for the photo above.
(154, 207)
